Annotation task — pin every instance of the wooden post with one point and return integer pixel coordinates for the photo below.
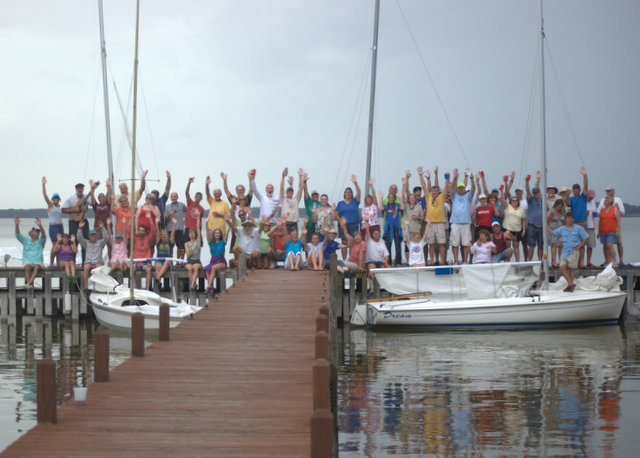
(101, 356)
(322, 323)
(4, 308)
(75, 306)
(137, 334)
(46, 391)
(322, 434)
(322, 345)
(37, 304)
(11, 285)
(48, 300)
(335, 289)
(164, 322)
(320, 384)
(324, 310)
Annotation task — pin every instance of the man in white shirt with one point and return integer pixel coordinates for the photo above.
(592, 210)
(268, 202)
(617, 201)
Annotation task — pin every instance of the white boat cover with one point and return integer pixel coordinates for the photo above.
(482, 281)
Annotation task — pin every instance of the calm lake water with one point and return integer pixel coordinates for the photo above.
(568, 392)
(508, 393)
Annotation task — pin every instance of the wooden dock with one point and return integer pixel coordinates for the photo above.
(234, 381)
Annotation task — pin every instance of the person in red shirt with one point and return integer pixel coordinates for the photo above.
(142, 250)
(483, 214)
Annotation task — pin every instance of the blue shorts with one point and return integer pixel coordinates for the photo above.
(609, 237)
(534, 235)
(376, 264)
(327, 264)
(54, 230)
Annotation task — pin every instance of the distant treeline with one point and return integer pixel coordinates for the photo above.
(631, 210)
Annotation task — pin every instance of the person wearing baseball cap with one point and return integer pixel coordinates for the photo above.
(32, 247)
(534, 218)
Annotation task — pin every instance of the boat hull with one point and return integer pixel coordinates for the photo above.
(120, 317)
(552, 309)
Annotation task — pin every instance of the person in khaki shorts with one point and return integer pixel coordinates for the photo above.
(573, 239)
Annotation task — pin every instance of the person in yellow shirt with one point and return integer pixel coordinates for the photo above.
(218, 210)
(435, 215)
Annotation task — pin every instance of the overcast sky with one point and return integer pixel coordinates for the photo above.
(235, 85)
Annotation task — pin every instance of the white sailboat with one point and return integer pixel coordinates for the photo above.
(492, 295)
(113, 306)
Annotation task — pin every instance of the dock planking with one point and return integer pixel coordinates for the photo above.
(234, 381)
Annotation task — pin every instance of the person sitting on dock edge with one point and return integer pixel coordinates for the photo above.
(32, 247)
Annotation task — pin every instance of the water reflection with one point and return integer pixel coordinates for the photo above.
(544, 392)
(24, 341)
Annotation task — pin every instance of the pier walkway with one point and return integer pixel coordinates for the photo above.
(234, 381)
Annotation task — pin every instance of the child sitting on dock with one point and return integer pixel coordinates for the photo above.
(32, 247)
(217, 244)
(164, 249)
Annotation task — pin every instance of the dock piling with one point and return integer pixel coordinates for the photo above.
(137, 334)
(101, 356)
(46, 391)
(322, 434)
(320, 384)
(164, 322)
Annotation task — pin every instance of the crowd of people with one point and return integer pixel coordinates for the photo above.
(414, 226)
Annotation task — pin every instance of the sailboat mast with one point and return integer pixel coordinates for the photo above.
(372, 94)
(105, 91)
(543, 146)
(132, 191)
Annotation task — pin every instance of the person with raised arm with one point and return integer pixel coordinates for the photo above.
(195, 212)
(148, 215)
(534, 218)
(32, 247)
(435, 215)
(461, 203)
(357, 249)
(415, 243)
(241, 191)
(176, 211)
(93, 248)
(268, 202)
(218, 210)
(377, 254)
(160, 201)
(348, 207)
(370, 210)
(515, 223)
(578, 203)
(54, 214)
(330, 246)
(192, 251)
(76, 206)
(311, 203)
(124, 192)
(392, 214)
(290, 204)
(65, 250)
